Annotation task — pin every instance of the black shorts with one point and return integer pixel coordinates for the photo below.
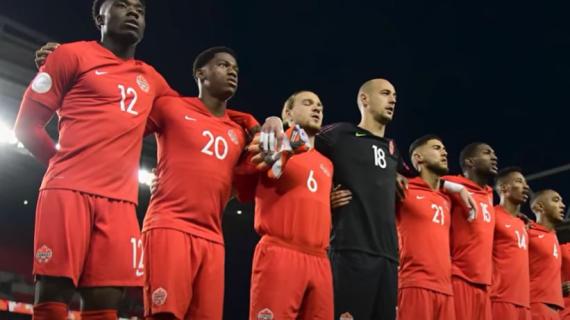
(365, 286)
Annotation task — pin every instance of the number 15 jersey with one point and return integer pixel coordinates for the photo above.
(197, 153)
(102, 102)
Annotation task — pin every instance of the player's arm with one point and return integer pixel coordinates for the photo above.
(460, 192)
(30, 129)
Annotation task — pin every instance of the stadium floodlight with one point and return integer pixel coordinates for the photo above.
(7, 135)
(145, 177)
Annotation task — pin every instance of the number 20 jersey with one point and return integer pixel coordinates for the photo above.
(102, 103)
(197, 153)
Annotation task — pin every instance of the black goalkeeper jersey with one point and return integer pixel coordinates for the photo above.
(366, 165)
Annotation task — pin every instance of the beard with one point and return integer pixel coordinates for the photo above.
(380, 118)
(438, 169)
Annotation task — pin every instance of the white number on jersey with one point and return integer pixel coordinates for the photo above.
(311, 182)
(521, 239)
(486, 213)
(379, 157)
(555, 251)
(137, 263)
(220, 145)
(438, 216)
(128, 93)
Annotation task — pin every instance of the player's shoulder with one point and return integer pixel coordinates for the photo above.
(76, 48)
(337, 127)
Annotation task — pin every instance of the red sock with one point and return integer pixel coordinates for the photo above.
(109, 314)
(50, 311)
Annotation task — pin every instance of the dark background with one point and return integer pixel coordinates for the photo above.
(467, 71)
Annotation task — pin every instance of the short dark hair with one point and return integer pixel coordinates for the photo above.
(97, 7)
(207, 55)
(504, 174)
(421, 141)
(537, 195)
(468, 151)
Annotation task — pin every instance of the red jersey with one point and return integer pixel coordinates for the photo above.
(472, 242)
(565, 271)
(423, 221)
(510, 260)
(197, 153)
(296, 207)
(545, 265)
(102, 103)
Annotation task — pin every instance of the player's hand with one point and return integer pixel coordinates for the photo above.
(257, 155)
(154, 182)
(43, 52)
(469, 203)
(272, 135)
(401, 186)
(566, 288)
(340, 197)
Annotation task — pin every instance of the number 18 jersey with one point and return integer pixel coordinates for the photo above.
(102, 103)
(197, 153)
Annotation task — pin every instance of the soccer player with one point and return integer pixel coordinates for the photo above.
(198, 148)
(472, 240)
(544, 256)
(364, 245)
(510, 290)
(86, 228)
(423, 220)
(563, 235)
(291, 273)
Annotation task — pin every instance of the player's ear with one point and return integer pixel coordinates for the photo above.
(200, 75)
(363, 98)
(99, 20)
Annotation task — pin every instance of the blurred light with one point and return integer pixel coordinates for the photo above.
(7, 135)
(238, 212)
(25, 202)
(145, 177)
(57, 146)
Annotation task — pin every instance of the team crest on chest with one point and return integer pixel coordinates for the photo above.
(265, 314)
(233, 136)
(159, 296)
(391, 147)
(143, 84)
(44, 254)
(325, 170)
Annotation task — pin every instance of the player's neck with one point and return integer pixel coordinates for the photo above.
(512, 208)
(119, 49)
(545, 222)
(376, 128)
(479, 180)
(433, 180)
(216, 106)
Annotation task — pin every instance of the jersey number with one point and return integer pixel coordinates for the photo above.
(555, 251)
(131, 94)
(311, 182)
(379, 157)
(137, 263)
(438, 216)
(521, 240)
(220, 145)
(486, 213)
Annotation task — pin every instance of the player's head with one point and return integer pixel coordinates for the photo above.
(480, 158)
(428, 153)
(548, 204)
(377, 99)
(216, 71)
(511, 184)
(121, 19)
(305, 109)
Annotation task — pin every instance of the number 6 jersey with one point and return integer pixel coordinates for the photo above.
(102, 103)
(197, 153)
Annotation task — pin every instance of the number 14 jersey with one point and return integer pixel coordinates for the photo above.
(197, 153)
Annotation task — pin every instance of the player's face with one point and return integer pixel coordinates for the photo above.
(124, 19)
(221, 76)
(485, 161)
(382, 101)
(554, 206)
(435, 157)
(517, 189)
(307, 111)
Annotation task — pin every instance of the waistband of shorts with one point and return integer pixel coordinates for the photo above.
(282, 243)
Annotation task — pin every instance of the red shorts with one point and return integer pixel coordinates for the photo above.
(420, 303)
(541, 311)
(93, 240)
(184, 275)
(471, 301)
(287, 283)
(505, 310)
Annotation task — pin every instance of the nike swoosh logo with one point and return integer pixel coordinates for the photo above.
(507, 225)
(540, 236)
(360, 134)
(100, 73)
(420, 197)
(189, 118)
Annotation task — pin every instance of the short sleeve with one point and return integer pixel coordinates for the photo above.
(155, 121)
(55, 77)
